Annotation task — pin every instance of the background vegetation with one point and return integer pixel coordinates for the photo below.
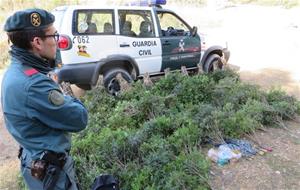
(152, 137)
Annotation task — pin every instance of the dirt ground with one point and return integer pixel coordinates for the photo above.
(276, 170)
(9, 164)
(273, 78)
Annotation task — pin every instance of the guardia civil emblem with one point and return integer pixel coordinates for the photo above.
(35, 19)
(181, 45)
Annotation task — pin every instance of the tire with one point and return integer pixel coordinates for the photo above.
(111, 84)
(212, 63)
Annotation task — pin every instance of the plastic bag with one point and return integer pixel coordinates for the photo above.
(223, 155)
(213, 154)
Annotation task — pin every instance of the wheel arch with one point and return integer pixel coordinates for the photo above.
(212, 50)
(116, 61)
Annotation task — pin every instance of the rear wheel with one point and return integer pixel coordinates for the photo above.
(111, 84)
(212, 63)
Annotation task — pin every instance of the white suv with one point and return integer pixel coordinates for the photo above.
(131, 40)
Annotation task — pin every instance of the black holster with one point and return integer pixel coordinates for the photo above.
(52, 163)
(51, 177)
(57, 159)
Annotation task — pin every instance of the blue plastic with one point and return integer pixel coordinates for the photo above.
(222, 162)
(243, 146)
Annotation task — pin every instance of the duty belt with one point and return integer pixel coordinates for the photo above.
(57, 159)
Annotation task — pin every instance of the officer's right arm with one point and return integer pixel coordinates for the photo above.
(49, 106)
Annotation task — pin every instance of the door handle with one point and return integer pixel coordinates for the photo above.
(124, 45)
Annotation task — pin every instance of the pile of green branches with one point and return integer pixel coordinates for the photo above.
(152, 137)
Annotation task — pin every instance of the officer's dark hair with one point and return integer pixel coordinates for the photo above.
(23, 38)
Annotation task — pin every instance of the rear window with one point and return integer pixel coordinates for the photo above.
(93, 22)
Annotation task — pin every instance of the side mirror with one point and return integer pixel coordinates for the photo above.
(194, 31)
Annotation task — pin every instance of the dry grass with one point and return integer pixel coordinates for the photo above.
(9, 164)
(9, 171)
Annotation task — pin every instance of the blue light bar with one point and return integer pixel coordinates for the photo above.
(160, 2)
(148, 2)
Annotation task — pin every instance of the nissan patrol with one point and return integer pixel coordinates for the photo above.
(131, 40)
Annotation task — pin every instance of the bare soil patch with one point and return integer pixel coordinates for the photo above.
(273, 78)
(279, 169)
(9, 164)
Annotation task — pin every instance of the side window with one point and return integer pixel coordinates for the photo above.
(136, 23)
(95, 22)
(171, 25)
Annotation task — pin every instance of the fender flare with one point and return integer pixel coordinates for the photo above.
(213, 49)
(112, 61)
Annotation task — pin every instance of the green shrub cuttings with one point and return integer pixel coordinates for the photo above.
(151, 137)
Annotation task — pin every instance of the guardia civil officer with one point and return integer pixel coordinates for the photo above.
(36, 112)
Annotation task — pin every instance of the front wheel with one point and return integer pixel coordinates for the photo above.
(110, 82)
(212, 63)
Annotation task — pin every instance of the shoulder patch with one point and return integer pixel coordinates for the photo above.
(30, 72)
(56, 98)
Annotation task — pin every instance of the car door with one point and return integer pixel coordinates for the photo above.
(179, 47)
(139, 39)
(93, 36)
